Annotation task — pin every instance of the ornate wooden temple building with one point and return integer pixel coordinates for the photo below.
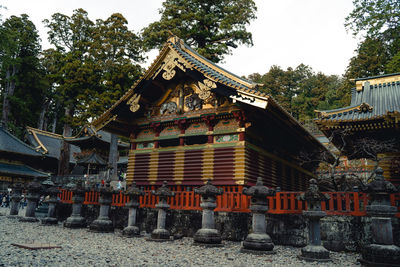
(189, 120)
(374, 113)
(89, 148)
(18, 161)
(49, 144)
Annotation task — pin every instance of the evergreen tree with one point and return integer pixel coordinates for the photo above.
(22, 77)
(212, 27)
(379, 22)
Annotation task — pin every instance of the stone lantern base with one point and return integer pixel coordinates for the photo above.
(314, 253)
(131, 231)
(160, 235)
(208, 236)
(14, 217)
(28, 219)
(102, 226)
(49, 220)
(258, 244)
(75, 222)
(380, 255)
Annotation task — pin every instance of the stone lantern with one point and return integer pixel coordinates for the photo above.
(258, 242)
(314, 251)
(161, 234)
(103, 224)
(78, 196)
(208, 234)
(33, 195)
(16, 197)
(382, 252)
(52, 191)
(133, 193)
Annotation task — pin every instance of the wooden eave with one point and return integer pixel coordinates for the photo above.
(243, 93)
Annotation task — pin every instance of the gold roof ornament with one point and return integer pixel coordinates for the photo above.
(134, 103)
(205, 88)
(364, 107)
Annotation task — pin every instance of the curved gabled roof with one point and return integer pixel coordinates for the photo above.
(89, 134)
(194, 60)
(20, 170)
(237, 88)
(373, 98)
(49, 143)
(10, 143)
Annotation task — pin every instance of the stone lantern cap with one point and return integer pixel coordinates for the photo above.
(106, 188)
(208, 190)
(76, 188)
(48, 183)
(50, 186)
(34, 186)
(133, 190)
(16, 187)
(163, 191)
(313, 195)
(259, 190)
(379, 185)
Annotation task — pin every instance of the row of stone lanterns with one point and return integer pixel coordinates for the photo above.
(382, 252)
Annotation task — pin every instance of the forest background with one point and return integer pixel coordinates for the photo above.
(93, 63)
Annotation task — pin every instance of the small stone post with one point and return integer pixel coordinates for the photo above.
(208, 235)
(161, 234)
(133, 193)
(103, 224)
(33, 196)
(15, 200)
(258, 242)
(314, 251)
(52, 191)
(78, 196)
(382, 252)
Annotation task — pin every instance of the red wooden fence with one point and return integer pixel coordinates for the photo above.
(340, 203)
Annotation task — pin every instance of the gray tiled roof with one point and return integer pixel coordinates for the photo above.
(384, 98)
(215, 72)
(10, 143)
(92, 158)
(20, 170)
(52, 144)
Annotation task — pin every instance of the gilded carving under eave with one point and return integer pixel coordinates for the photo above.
(172, 60)
(205, 88)
(133, 102)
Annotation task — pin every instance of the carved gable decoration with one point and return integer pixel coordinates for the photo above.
(187, 96)
(172, 60)
(133, 102)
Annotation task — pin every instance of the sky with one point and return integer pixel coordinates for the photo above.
(286, 32)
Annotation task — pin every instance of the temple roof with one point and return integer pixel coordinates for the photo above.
(89, 137)
(186, 58)
(92, 158)
(8, 169)
(372, 98)
(49, 143)
(10, 143)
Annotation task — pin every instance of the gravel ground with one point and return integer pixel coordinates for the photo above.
(82, 248)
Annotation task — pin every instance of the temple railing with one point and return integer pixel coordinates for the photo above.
(340, 203)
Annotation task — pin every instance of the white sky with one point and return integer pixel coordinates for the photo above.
(285, 33)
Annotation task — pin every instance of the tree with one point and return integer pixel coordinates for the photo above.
(117, 51)
(379, 22)
(95, 64)
(211, 27)
(22, 77)
(300, 90)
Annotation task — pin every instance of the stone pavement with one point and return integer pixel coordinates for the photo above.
(82, 248)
